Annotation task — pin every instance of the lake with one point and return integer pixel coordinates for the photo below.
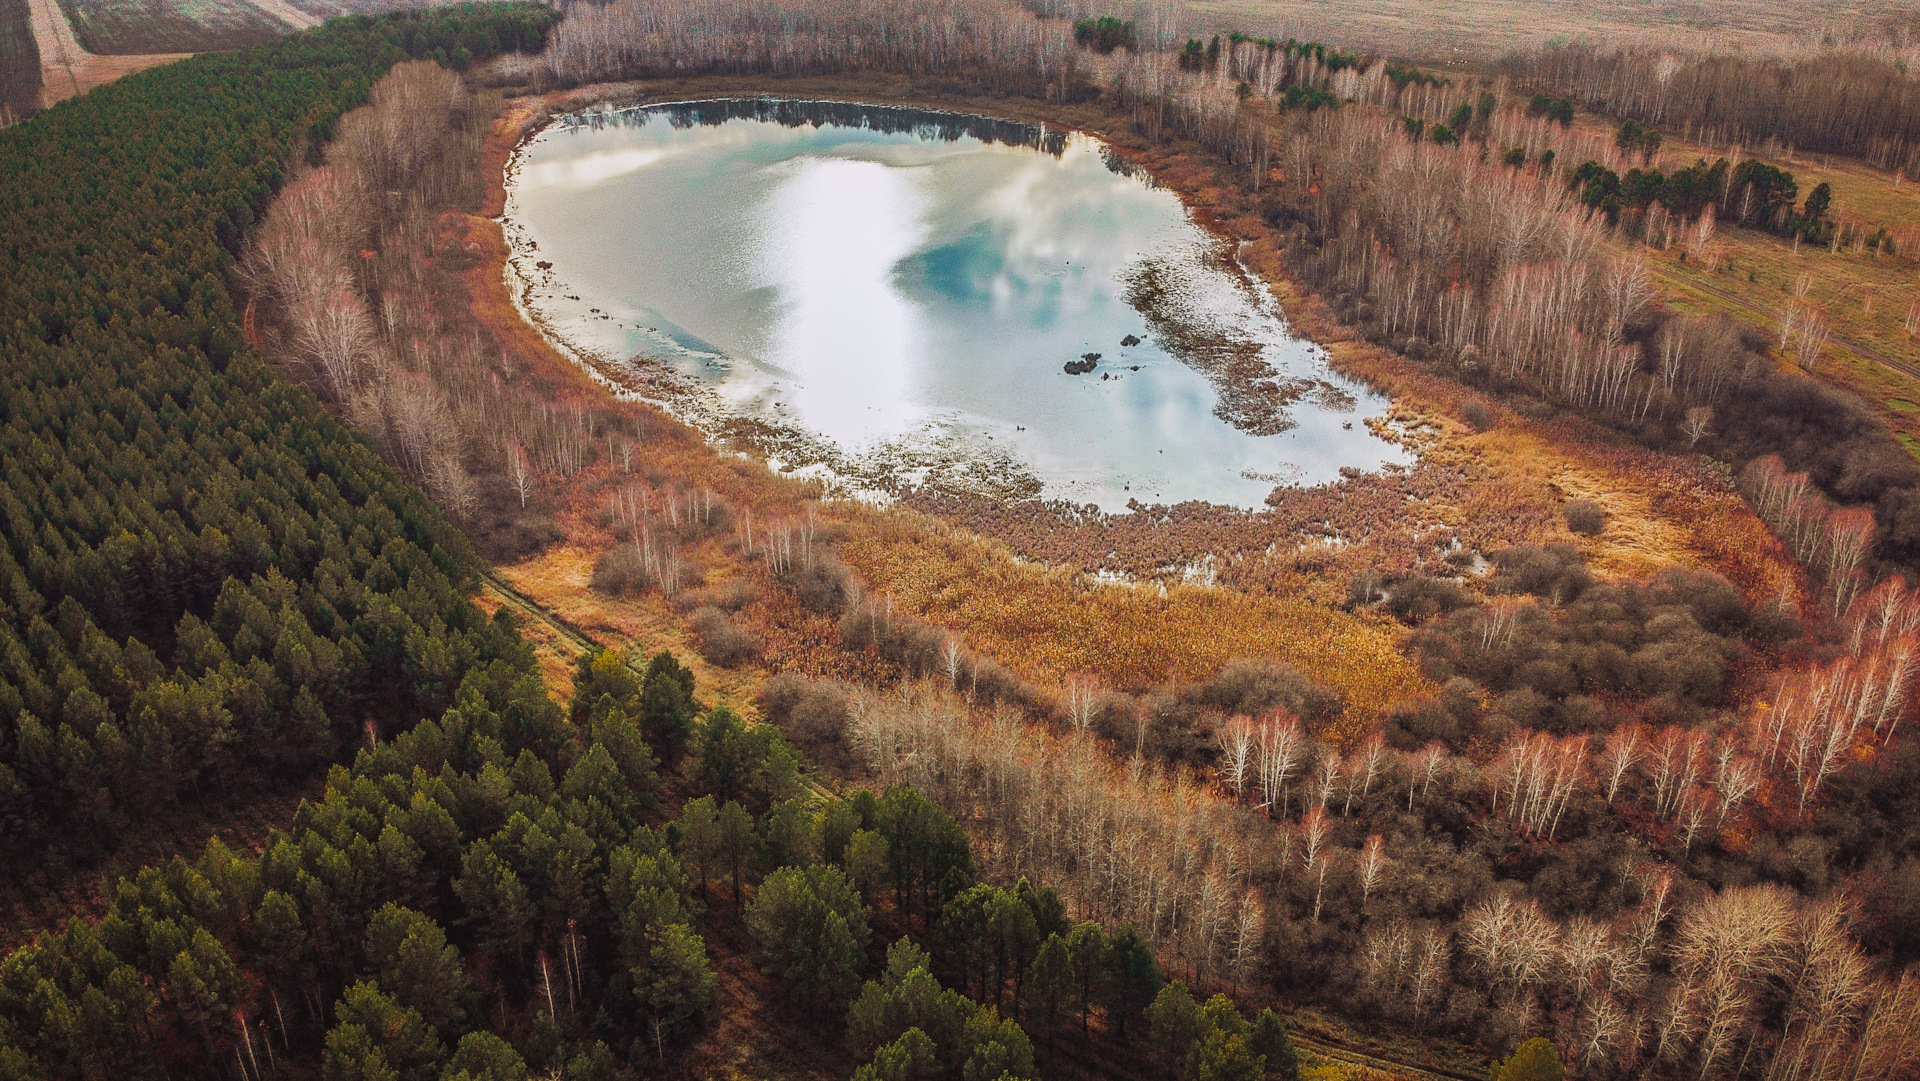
(894, 298)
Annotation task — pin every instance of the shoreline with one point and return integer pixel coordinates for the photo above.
(1488, 489)
(945, 455)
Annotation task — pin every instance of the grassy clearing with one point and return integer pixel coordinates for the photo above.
(1867, 296)
(1046, 623)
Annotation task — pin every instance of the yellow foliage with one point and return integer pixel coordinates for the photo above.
(1047, 624)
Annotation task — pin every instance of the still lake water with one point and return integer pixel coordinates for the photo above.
(902, 291)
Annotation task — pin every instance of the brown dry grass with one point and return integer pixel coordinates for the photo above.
(1048, 622)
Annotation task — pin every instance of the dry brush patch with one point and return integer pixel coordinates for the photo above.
(1049, 623)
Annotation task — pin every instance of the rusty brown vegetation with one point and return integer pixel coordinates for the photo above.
(1004, 676)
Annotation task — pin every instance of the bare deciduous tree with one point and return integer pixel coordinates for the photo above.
(1699, 421)
(333, 333)
(1373, 861)
(518, 472)
(1236, 739)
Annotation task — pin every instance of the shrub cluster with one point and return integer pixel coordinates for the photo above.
(1558, 665)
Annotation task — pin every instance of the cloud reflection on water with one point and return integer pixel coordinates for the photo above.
(882, 288)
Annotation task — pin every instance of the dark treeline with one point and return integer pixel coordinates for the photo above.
(996, 44)
(1839, 100)
(794, 112)
(509, 887)
(206, 580)
(1752, 193)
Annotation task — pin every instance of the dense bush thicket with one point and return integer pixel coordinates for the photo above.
(203, 575)
(1666, 647)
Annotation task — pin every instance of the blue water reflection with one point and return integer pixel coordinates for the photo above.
(909, 290)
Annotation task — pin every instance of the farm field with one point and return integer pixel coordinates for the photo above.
(19, 62)
(145, 27)
(1469, 34)
(68, 70)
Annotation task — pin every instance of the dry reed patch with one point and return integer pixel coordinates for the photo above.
(1048, 623)
(1636, 542)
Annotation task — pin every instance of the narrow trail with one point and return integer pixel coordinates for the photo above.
(1865, 351)
(58, 49)
(582, 642)
(1344, 1054)
(572, 635)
